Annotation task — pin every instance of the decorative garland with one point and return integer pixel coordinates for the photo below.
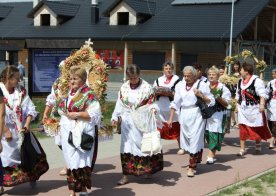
(247, 56)
(244, 56)
(96, 68)
(97, 78)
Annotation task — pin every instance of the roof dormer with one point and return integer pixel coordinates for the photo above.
(129, 12)
(4, 11)
(52, 13)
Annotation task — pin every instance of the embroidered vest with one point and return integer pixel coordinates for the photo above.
(250, 95)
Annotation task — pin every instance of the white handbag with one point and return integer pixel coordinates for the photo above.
(151, 141)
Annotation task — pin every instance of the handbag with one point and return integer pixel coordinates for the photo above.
(205, 110)
(29, 156)
(151, 141)
(87, 140)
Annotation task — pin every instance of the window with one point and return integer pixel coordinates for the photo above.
(149, 60)
(45, 19)
(123, 18)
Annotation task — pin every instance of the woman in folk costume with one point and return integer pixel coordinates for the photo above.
(134, 105)
(80, 115)
(2, 121)
(271, 108)
(164, 91)
(20, 111)
(236, 68)
(216, 123)
(250, 96)
(51, 100)
(192, 125)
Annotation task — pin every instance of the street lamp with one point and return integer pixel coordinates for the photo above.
(231, 34)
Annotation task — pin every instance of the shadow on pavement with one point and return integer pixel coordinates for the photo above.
(204, 168)
(110, 187)
(42, 186)
(103, 167)
(171, 151)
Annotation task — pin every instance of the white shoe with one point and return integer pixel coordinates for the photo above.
(210, 160)
(181, 152)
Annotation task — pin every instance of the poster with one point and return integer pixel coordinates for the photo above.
(45, 68)
(114, 58)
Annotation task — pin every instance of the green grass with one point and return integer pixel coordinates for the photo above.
(40, 106)
(263, 185)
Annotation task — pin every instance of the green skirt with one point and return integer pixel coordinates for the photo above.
(214, 140)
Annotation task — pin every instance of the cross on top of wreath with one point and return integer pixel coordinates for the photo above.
(88, 43)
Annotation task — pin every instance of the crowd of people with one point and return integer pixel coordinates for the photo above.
(172, 103)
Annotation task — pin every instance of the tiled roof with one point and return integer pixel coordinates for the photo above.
(139, 6)
(182, 2)
(182, 22)
(4, 11)
(59, 8)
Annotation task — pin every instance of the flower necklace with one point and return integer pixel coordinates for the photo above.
(188, 87)
(134, 86)
(244, 82)
(17, 108)
(214, 86)
(168, 79)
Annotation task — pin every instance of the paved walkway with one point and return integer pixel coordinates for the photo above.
(171, 181)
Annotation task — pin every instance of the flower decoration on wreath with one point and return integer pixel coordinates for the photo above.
(247, 56)
(96, 68)
(97, 77)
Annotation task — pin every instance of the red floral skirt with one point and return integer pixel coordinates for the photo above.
(16, 175)
(135, 165)
(255, 133)
(168, 133)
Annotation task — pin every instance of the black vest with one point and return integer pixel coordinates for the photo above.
(252, 98)
(218, 106)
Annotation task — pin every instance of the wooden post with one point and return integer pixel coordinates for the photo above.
(125, 60)
(173, 56)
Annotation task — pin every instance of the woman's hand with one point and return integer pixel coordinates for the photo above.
(44, 118)
(169, 123)
(72, 115)
(26, 128)
(8, 135)
(198, 93)
(153, 110)
(114, 123)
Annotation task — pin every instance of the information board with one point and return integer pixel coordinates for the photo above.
(45, 68)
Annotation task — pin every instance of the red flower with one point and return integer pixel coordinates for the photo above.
(91, 96)
(106, 79)
(97, 56)
(129, 165)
